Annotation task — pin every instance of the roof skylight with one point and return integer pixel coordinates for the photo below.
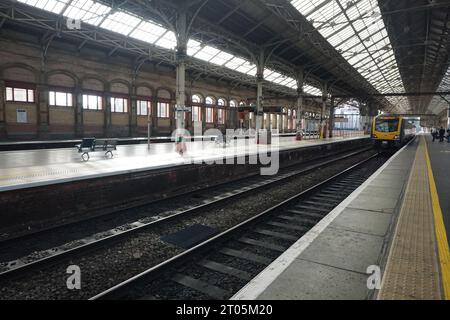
(87, 11)
(125, 23)
(55, 6)
(438, 104)
(356, 29)
(120, 22)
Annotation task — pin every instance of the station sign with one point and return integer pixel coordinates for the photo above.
(182, 108)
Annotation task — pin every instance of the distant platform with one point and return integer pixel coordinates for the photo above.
(24, 169)
(68, 143)
(393, 221)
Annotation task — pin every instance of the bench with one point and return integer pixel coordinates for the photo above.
(95, 145)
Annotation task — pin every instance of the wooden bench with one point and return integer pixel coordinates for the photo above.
(95, 145)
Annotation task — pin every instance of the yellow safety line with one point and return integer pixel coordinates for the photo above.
(441, 235)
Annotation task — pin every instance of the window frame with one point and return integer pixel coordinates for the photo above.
(213, 101)
(113, 105)
(100, 105)
(219, 119)
(197, 96)
(221, 102)
(166, 104)
(65, 91)
(20, 86)
(207, 116)
(199, 114)
(139, 107)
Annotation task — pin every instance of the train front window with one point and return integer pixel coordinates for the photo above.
(386, 125)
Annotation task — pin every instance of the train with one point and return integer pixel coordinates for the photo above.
(391, 131)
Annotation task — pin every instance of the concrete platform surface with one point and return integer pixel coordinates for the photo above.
(331, 261)
(22, 169)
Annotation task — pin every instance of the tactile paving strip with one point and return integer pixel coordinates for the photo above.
(412, 271)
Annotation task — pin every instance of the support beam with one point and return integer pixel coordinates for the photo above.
(448, 118)
(79, 116)
(3, 133)
(323, 132)
(259, 90)
(331, 119)
(181, 53)
(300, 82)
(43, 111)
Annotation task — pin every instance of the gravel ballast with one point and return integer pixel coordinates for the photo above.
(107, 267)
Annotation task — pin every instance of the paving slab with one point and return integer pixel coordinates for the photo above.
(307, 280)
(363, 221)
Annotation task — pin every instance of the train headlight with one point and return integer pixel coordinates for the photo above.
(397, 137)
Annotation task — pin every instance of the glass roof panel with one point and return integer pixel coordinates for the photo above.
(221, 58)
(437, 104)
(193, 47)
(307, 6)
(207, 53)
(55, 6)
(148, 32)
(287, 81)
(273, 76)
(247, 68)
(120, 22)
(312, 90)
(94, 13)
(168, 41)
(87, 11)
(234, 63)
(363, 41)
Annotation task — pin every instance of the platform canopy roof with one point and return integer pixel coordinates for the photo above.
(419, 32)
(360, 48)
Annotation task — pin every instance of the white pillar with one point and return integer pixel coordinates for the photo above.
(299, 119)
(331, 119)
(322, 116)
(448, 118)
(259, 92)
(181, 68)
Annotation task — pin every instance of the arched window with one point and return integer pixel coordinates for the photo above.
(196, 110)
(209, 100)
(196, 98)
(233, 103)
(221, 102)
(209, 112)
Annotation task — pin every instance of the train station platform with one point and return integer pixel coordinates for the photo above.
(40, 189)
(68, 143)
(387, 240)
(31, 168)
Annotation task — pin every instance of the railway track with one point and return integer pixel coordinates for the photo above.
(54, 255)
(221, 265)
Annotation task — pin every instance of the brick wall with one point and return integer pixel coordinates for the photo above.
(92, 71)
